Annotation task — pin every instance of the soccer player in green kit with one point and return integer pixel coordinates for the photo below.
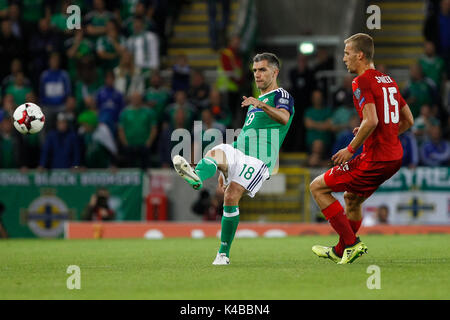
(249, 161)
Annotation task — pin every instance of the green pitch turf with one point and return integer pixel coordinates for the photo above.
(412, 267)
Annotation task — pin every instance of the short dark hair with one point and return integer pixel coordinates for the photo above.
(271, 58)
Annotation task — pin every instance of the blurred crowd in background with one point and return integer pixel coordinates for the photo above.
(107, 103)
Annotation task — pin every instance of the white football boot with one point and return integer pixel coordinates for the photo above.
(221, 259)
(184, 169)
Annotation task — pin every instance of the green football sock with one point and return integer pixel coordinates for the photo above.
(206, 168)
(230, 221)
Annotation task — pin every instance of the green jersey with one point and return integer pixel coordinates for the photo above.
(160, 96)
(127, 8)
(321, 115)
(85, 48)
(32, 10)
(421, 94)
(4, 5)
(433, 68)
(104, 43)
(19, 93)
(261, 136)
(98, 19)
(137, 124)
(59, 21)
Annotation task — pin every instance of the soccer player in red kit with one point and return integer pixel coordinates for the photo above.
(384, 115)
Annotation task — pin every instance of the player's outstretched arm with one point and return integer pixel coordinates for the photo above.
(406, 119)
(279, 115)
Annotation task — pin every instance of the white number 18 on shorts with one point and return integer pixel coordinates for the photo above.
(245, 170)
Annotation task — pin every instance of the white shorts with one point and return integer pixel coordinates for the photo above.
(247, 171)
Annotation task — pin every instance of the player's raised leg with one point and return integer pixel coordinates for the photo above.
(334, 213)
(230, 221)
(205, 169)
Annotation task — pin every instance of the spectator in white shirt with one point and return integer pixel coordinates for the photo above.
(144, 46)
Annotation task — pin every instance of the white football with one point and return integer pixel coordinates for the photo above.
(28, 118)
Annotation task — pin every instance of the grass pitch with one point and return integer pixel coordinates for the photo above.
(412, 267)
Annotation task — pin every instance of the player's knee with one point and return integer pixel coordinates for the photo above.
(232, 195)
(315, 186)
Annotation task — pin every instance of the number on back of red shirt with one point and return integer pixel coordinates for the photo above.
(390, 116)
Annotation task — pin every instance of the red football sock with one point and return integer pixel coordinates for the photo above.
(355, 224)
(339, 248)
(334, 213)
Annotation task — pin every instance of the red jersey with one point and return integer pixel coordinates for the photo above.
(375, 87)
